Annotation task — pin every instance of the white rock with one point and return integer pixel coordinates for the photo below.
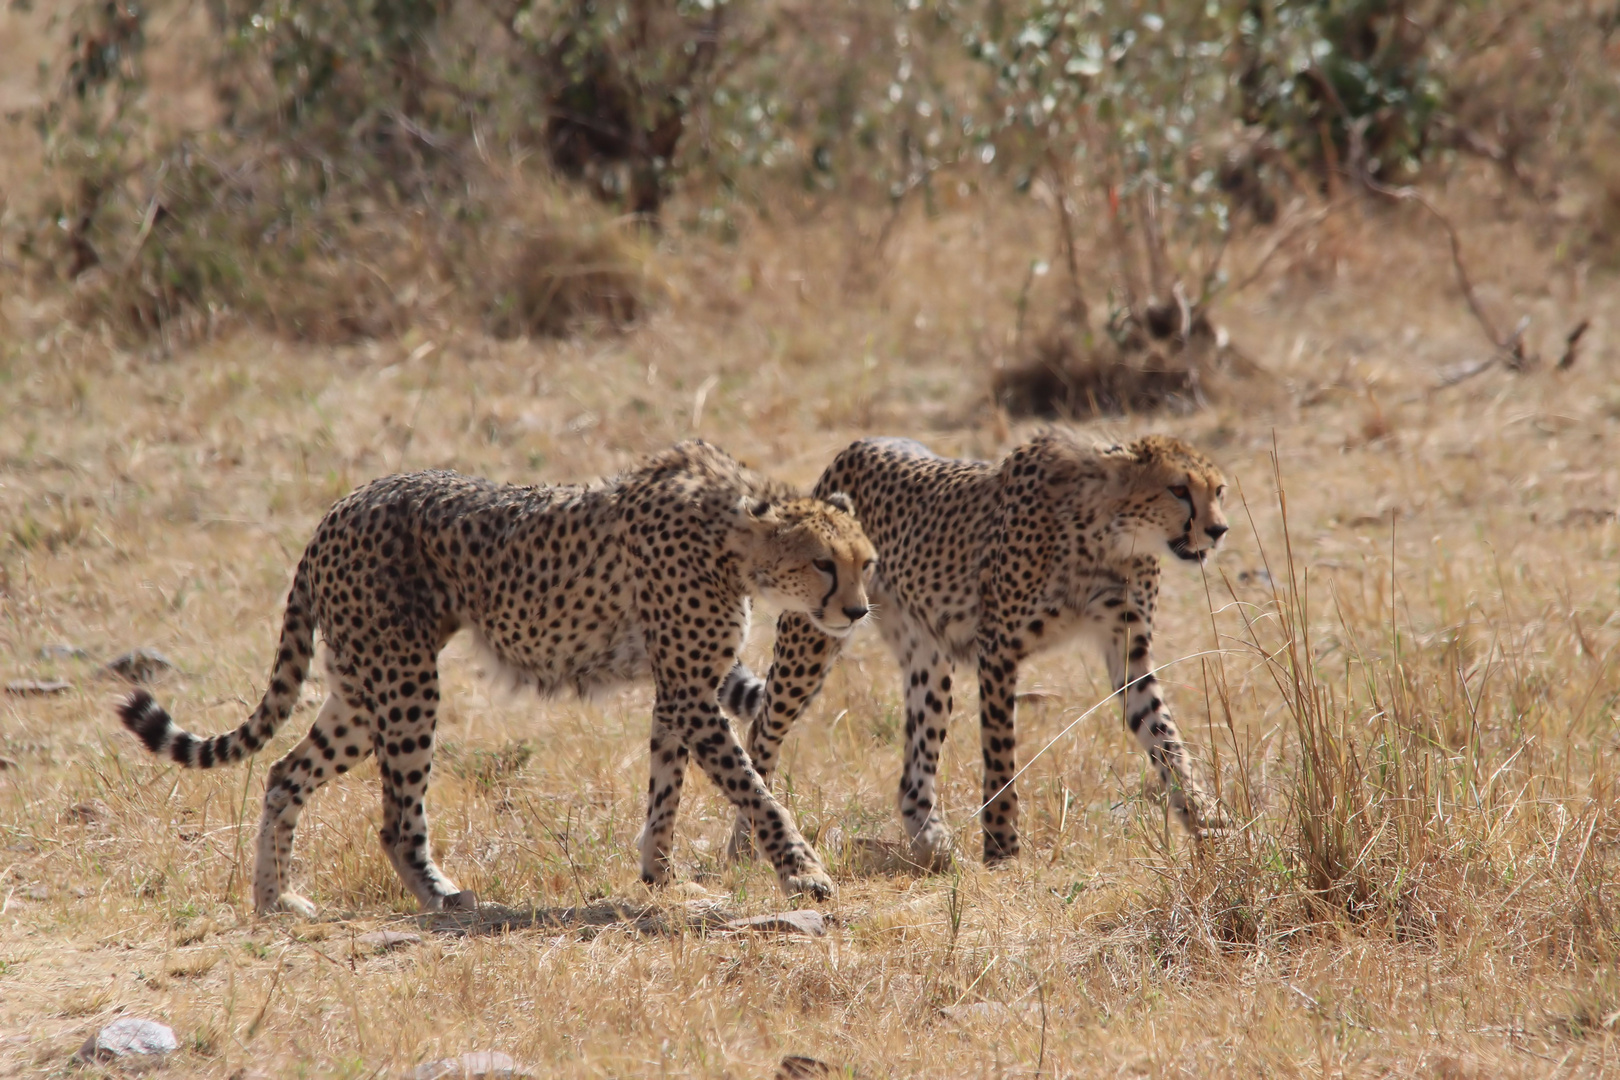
(805, 922)
(129, 1036)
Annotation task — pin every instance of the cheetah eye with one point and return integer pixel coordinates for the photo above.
(869, 567)
(1180, 491)
(1220, 492)
(826, 566)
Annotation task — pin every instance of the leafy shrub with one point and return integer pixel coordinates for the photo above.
(1344, 83)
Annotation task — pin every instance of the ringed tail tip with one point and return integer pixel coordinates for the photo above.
(142, 715)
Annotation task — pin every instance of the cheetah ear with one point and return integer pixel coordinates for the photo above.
(841, 501)
(759, 516)
(756, 525)
(1145, 450)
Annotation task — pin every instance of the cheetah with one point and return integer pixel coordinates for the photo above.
(582, 586)
(992, 563)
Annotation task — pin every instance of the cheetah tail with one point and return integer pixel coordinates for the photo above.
(742, 693)
(154, 726)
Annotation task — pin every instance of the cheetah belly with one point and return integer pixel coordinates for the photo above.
(623, 660)
(610, 655)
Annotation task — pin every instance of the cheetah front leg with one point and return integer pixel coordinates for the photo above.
(403, 742)
(928, 674)
(1130, 665)
(799, 663)
(708, 735)
(668, 775)
(998, 696)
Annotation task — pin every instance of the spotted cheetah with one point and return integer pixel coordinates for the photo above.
(587, 586)
(992, 563)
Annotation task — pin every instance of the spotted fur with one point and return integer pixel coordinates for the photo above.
(580, 587)
(989, 564)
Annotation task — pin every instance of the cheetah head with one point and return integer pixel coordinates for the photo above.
(1173, 495)
(808, 555)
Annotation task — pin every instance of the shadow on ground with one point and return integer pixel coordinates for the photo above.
(697, 916)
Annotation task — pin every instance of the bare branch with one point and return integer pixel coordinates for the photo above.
(1060, 182)
(1510, 346)
(1572, 344)
(1310, 221)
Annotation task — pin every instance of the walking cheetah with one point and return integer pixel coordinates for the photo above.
(993, 563)
(567, 586)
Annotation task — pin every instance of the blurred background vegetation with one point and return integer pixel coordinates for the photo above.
(333, 168)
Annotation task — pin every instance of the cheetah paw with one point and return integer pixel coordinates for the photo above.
(931, 847)
(1213, 820)
(1200, 815)
(811, 881)
(288, 903)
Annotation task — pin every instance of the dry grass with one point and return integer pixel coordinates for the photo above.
(1425, 759)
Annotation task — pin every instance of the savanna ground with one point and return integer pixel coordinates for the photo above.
(1408, 694)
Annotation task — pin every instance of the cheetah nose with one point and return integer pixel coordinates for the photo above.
(856, 612)
(1217, 531)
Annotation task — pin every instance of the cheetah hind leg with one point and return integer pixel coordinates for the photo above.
(403, 742)
(292, 781)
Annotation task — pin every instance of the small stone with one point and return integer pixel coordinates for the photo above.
(62, 651)
(79, 892)
(36, 893)
(384, 940)
(689, 891)
(139, 665)
(37, 687)
(810, 923)
(90, 810)
(486, 1064)
(129, 1036)
(799, 1067)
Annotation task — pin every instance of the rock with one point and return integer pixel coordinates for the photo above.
(37, 687)
(127, 1037)
(36, 893)
(490, 1064)
(690, 891)
(62, 651)
(139, 665)
(809, 923)
(90, 810)
(799, 1067)
(384, 940)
